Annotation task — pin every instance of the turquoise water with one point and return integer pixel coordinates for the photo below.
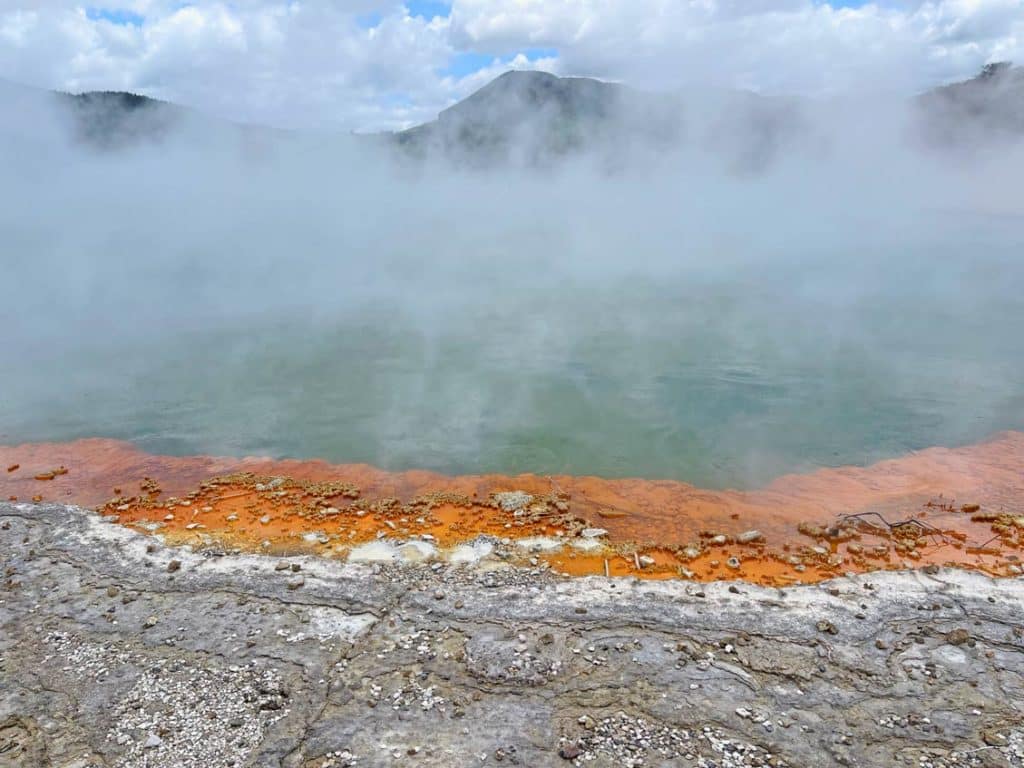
(718, 377)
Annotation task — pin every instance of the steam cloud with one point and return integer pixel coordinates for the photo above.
(736, 303)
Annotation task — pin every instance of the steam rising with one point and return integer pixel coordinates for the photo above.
(750, 297)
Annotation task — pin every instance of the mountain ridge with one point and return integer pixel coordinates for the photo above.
(989, 104)
(532, 116)
(535, 117)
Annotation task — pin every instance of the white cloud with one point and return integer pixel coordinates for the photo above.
(366, 64)
(283, 63)
(787, 45)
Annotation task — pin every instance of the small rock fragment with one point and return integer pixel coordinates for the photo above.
(958, 637)
(569, 752)
(827, 626)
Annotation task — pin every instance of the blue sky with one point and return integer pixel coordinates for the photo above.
(115, 16)
(428, 9)
(368, 20)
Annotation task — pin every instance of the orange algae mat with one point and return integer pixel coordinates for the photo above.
(946, 506)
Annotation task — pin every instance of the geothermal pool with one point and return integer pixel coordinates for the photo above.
(723, 375)
(670, 321)
(842, 384)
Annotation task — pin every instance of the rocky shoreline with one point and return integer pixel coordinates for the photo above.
(951, 507)
(119, 651)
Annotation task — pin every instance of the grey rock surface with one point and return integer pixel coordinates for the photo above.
(110, 659)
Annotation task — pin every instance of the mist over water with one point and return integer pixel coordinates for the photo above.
(674, 314)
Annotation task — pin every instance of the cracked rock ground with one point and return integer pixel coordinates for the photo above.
(116, 651)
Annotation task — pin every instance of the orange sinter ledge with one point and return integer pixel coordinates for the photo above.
(941, 506)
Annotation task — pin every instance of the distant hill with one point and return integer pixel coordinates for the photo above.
(535, 116)
(989, 106)
(111, 119)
